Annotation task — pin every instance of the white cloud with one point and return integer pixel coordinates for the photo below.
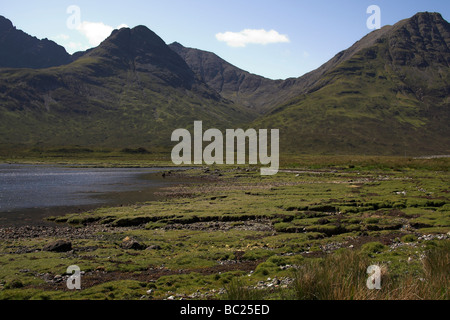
(96, 32)
(72, 47)
(251, 36)
(123, 25)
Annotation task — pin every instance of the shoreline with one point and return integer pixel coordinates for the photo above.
(37, 216)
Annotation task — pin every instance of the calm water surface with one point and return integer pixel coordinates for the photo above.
(28, 193)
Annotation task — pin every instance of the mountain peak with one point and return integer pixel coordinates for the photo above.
(421, 40)
(432, 16)
(20, 50)
(138, 31)
(143, 50)
(176, 45)
(132, 42)
(423, 19)
(5, 24)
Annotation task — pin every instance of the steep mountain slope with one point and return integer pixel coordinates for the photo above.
(255, 92)
(387, 94)
(132, 90)
(237, 85)
(20, 50)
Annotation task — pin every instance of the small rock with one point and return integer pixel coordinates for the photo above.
(47, 277)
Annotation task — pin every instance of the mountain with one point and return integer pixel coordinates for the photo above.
(241, 87)
(387, 94)
(20, 50)
(132, 90)
(255, 92)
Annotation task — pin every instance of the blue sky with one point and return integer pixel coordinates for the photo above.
(288, 38)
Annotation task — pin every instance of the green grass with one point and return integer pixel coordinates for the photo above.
(211, 235)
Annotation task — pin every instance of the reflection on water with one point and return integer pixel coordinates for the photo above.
(31, 192)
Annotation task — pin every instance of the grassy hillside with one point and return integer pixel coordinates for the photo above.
(128, 92)
(388, 98)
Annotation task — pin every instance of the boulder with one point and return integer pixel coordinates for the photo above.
(59, 246)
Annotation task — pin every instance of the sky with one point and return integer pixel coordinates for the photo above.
(276, 39)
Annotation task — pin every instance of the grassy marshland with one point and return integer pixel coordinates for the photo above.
(310, 232)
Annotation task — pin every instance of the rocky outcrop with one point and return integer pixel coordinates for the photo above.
(59, 246)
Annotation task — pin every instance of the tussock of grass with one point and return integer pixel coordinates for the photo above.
(343, 276)
(237, 290)
(340, 276)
